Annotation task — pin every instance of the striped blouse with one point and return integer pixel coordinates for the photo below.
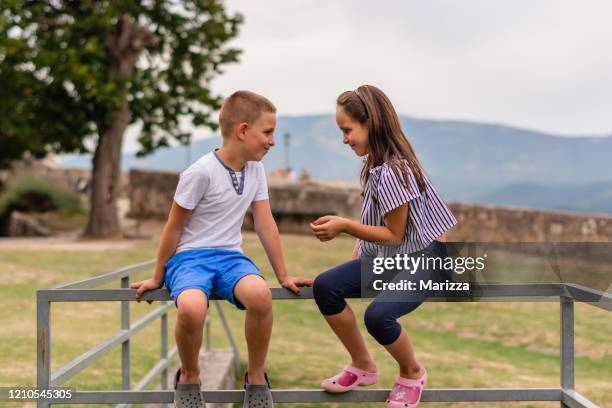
(428, 215)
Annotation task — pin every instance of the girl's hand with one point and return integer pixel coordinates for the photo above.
(327, 227)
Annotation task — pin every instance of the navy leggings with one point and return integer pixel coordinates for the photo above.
(331, 288)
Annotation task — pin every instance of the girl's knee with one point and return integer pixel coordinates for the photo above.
(376, 319)
(322, 287)
(381, 324)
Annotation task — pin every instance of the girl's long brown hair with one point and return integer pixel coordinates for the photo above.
(369, 106)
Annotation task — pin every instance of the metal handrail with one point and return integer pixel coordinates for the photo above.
(122, 337)
(84, 290)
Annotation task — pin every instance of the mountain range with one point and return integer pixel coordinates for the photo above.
(467, 161)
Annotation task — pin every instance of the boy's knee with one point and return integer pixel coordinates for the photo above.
(258, 298)
(192, 314)
(192, 306)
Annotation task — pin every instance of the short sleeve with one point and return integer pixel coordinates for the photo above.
(392, 191)
(262, 184)
(191, 187)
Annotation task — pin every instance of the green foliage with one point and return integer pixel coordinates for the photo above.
(38, 194)
(62, 79)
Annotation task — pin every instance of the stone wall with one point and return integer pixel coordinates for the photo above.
(487, 223)
(151, 193)
(296, 204)
(293, 204)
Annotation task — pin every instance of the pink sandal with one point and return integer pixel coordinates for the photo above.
(349, 378)
(406, 392)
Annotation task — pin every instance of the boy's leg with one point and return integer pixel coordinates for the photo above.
(254, 294)
(192, 306)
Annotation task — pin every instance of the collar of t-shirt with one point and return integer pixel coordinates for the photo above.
(234, 175)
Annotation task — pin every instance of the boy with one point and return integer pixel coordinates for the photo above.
(199, 252)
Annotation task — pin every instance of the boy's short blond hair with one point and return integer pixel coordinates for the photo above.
(242, 106)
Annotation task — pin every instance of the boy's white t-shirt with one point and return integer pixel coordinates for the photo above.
(207, 188)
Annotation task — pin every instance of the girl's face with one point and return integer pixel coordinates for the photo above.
(354, 133)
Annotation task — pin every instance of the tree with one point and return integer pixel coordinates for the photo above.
(77, 73)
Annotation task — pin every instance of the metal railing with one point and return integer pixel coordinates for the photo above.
(84, 291)
(47, 379)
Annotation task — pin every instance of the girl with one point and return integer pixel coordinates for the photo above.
(401, 214)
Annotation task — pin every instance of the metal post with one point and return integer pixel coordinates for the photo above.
(287, 138)
(164, 349)
(207, 332)
(43, 345)
(228, 334)
(567, 344)
(125, 346)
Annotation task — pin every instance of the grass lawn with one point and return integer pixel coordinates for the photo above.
(462, 345)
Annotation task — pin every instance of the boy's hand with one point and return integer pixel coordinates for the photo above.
(327, 227)
(293, 284)
(145, 285)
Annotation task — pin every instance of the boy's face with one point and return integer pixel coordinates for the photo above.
(259, 136)
(354, 133)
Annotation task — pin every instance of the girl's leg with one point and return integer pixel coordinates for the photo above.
(382, 314)
(192, 305)
(403, 352)
(345, 326)
(329, 289)
(381, 322)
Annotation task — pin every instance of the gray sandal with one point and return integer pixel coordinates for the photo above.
(187, 395)
(257, 395)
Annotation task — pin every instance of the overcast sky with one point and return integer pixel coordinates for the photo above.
(538, 64)
(543, 64)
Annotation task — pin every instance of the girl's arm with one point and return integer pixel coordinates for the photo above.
(327, 227)
(355, 253)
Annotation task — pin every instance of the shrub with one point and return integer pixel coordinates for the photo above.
(35, 194)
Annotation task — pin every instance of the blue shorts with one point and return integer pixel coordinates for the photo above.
(213, 271)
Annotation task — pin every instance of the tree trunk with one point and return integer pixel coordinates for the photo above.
(125, 45)
(105, 186)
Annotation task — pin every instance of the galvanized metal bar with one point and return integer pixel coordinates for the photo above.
(125, 346)
(567, 344)
(207, 343)
(160, 366)
(602, 300)
(229, 335)
(573, 399)
(66, 372)
(69, 370)
(319, 396)
(103, 295)
(107, 277)
(43, 344)
(149, 377)
(509, 291)
(164, 349)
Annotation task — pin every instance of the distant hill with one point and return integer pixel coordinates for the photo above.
(467, 161)
(592, 198)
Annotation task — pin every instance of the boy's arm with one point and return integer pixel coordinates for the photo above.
(171, 234)
(267, 231)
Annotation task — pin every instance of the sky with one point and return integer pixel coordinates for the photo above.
(543, 65)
